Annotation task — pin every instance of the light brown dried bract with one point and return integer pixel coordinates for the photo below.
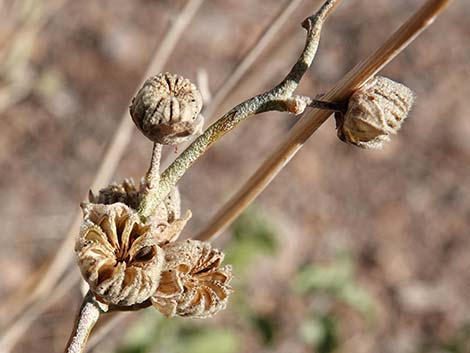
(128, 193)
(192, 283)
(375, 112)
(166, 109)
(118, 256)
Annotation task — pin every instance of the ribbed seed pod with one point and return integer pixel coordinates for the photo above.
(166, 109)
(375, 111)
(118, 256)
(192, 283)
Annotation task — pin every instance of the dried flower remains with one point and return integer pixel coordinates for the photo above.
(192, 283)
(127, 262)
(374, 113)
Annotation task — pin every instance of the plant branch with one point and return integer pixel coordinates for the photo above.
(87, 317)
(311, 121)
(43, 281)
(268, 35)
(279, 98)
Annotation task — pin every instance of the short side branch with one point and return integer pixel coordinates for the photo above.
(279, 98)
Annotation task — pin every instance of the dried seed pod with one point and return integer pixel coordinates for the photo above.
(166, 109)
(129, 194)
(374, 112)
(192, 283)
(118, 256)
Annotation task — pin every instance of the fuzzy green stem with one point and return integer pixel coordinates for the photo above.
(279, 98)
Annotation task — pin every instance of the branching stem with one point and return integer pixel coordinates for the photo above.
(280, 98)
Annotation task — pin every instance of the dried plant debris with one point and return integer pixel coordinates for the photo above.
(128, 193)
(192, 283)
(166, 109)
(374, 113)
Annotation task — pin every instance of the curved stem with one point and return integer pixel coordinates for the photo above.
(279, 98)
(86, 319)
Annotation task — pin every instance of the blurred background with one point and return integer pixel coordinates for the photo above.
(347, 250)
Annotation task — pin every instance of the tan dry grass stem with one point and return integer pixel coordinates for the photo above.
(312, 120)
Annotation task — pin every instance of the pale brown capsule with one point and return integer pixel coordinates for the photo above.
(118, 256)
(375, 111)
(166, 109)
(192, 283)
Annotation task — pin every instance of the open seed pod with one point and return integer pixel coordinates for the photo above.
(118, 256)
(166, 109)
(192, 283)
(375, 112)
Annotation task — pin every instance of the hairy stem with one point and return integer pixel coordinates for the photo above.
(87, 317)
(153, 174)
(279, 98)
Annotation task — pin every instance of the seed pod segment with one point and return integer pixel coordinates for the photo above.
(193, 284)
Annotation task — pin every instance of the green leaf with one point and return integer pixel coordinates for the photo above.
(330, 278)
(320, 333)
(206, 340)
(358, 299)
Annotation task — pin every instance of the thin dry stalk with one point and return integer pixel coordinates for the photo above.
(57, 265)
(311, 121)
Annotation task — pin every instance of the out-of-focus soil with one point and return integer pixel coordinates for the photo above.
(402, 212)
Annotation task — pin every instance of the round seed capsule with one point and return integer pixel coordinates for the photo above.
(166, 109)
(375, 111)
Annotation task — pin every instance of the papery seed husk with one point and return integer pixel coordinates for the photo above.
(193, 283)
(375, 112)
(118, 255)
(166, 109)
